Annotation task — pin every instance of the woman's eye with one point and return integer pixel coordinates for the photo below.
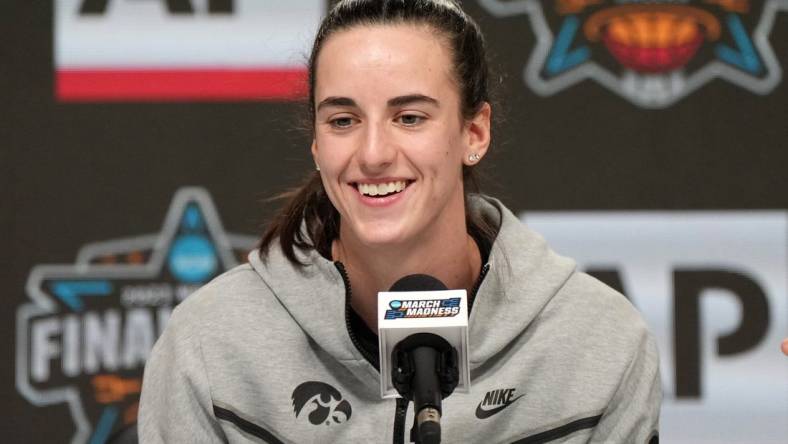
(342, 122)
(410, 119)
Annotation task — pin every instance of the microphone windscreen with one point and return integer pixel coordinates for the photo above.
(418, 282)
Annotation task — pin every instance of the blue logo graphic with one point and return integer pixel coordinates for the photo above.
(193, 259)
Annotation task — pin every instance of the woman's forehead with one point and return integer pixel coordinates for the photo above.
(384, 59)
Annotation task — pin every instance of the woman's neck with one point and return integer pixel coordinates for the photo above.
(455, 261)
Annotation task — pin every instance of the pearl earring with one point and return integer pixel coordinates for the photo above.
(474, 157)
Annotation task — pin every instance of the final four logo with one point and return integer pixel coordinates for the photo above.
(652, 53)
(86, 335)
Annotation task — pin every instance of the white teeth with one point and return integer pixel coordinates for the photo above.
(380, 189)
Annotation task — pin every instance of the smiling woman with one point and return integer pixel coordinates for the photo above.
(389, 117)
(401, 116)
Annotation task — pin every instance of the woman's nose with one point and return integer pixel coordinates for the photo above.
(377, 150)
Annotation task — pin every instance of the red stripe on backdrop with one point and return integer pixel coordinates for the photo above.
(115, 85)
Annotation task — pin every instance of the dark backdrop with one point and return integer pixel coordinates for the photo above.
(77, 173)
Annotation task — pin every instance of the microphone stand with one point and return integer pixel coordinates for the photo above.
(425, 370)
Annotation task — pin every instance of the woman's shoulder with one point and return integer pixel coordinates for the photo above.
(586, 297)
(240, 289)
(595, 313)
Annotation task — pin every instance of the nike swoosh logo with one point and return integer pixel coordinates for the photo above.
(483, 414)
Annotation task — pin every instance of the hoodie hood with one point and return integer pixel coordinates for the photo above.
(315, 296)
(524, 275)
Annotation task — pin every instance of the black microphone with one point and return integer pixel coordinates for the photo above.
(424, 368)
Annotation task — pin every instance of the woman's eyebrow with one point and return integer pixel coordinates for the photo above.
(337, 101)
(391, 103)
(410, 99)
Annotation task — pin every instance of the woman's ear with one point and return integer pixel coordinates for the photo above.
(314, 154)
(477, 134)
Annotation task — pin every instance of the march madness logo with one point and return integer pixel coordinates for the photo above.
(433, 308)
(86, 335)
(652, 53)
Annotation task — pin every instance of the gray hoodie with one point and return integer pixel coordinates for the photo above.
(265, 353)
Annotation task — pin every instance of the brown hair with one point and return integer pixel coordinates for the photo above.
(309, 203)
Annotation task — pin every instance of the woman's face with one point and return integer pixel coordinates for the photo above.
(389, 137)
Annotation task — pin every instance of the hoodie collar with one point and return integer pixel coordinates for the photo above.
(523, 276)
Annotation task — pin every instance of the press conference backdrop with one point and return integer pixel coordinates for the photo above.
(648, 140)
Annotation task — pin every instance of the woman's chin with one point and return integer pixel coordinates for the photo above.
(381, 235)
(382, 241)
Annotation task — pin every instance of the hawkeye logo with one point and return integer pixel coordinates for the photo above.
(86, 335)
(433, 308)
(319, 401)
(652, 53)
(494, 401)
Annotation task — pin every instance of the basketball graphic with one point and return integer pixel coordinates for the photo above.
(651, 53)
(652, 38)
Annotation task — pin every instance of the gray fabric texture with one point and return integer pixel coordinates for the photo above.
(571, 348)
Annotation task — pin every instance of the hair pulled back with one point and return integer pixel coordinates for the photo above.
(309, 203)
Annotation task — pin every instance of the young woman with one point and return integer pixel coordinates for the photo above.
(283, 349)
